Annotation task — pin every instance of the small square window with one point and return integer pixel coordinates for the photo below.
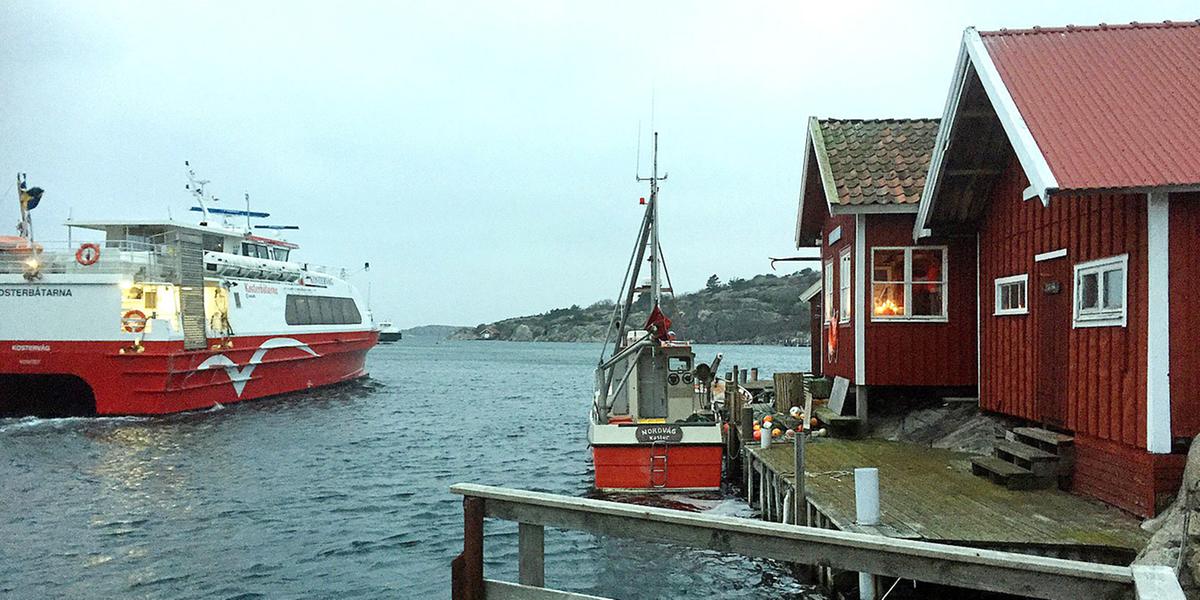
(1100, 292)
(1012, 295)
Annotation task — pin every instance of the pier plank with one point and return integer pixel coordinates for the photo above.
(931, 493)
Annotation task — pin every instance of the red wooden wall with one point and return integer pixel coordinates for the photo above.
(919, 353)
(1105, 390)
(843, 364)
(1184, 281)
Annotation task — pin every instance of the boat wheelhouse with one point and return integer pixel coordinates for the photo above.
(161, 316)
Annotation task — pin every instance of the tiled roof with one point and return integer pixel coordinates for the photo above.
(1109, 106)
(874, 161)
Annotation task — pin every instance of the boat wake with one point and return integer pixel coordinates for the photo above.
(21, 424)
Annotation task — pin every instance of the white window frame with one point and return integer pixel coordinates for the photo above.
(845, 293)
(908, 317)
(827, 284)
(1002, 282)
(1101, 317)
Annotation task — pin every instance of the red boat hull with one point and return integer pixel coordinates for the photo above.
(164, 378)
(659, 467)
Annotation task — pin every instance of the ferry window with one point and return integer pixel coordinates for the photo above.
(213, 243)
(679, 364)
(1100, 292)
(262, 251)
(321, 310)
(908, 283)
(247, 249)
(1012, 295)
(237, 299)
(281, 254)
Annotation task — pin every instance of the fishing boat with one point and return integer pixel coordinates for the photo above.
(161, 316)
(389, 332)
(654, 419)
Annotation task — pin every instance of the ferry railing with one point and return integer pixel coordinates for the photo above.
(963, 567)
(139, 260)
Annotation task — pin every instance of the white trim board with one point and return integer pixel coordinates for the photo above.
(1158, 324)
(1061, 252)
(860, 295)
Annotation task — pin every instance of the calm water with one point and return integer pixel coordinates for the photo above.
(342, 492)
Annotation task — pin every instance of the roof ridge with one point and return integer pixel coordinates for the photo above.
(878, 120)
(1134, 25)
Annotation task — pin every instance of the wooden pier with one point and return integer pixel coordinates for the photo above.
(969, 568)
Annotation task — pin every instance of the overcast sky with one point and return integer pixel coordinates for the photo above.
(480, 155)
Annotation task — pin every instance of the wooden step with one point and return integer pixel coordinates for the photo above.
(1042, 463)
(1050, 441)
(1002, 472)
(839, 425)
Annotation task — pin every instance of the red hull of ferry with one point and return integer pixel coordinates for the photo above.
(164, 378)
(687, 467)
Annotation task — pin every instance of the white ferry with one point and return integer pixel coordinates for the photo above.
(161, 316)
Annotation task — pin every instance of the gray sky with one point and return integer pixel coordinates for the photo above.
(479, 154)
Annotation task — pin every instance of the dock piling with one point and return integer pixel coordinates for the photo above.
(800, 504)
(866, 509)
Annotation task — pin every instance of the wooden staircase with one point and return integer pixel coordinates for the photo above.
(1028, 458)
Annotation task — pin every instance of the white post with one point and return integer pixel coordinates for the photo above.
(866, 508)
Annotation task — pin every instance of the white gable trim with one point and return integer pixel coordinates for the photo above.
(934, 177)
(1032, 160)
(814, 149)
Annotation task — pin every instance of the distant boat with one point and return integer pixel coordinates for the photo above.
(388, 332)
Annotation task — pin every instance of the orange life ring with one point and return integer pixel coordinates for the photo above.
(831, 342)
(133, 321)
(87, 254)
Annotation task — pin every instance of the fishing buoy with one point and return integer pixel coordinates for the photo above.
(757, 433)
(776, 432)
(725, 427)
(795, 412)
(757, 427)
(812, 423)
(768, 419)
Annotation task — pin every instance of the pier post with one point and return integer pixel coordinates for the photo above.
(466, 571)
(531, 554)
(866, 509)
(800, 503)
(746, 427)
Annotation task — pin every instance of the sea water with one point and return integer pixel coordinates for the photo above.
(343, 492)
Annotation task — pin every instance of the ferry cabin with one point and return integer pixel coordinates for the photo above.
(1071, 157)
(894, 312)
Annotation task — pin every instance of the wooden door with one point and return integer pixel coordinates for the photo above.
(1051, 298)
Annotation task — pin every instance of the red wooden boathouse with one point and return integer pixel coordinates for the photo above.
(895, 312)
(1072, 157)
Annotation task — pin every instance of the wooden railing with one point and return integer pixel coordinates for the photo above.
(969, 568)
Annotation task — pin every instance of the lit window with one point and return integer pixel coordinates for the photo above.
(844, 304)
(908, 283)
(1100, 292)
(1012, 295)
(828, 291)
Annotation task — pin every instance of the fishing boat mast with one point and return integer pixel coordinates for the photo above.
(655, 285)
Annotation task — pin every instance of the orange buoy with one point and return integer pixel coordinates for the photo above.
(758, 434)
(776, 432)
(812, 422)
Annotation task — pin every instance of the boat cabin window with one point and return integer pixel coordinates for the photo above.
(255, 250)
(280, 253)
(213, 243)
(679, 364)
(321, 310)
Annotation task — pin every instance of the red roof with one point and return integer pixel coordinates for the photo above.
(1110, 106)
